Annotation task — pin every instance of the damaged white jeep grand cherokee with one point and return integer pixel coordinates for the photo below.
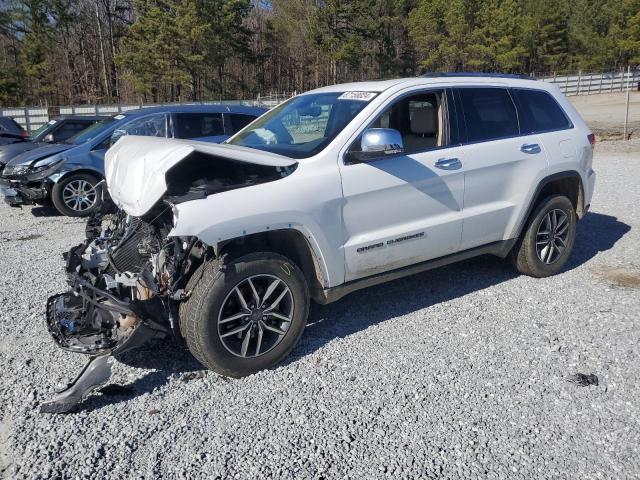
(226, 246)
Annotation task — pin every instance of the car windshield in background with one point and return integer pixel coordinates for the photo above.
(304, 125)
(91, 132)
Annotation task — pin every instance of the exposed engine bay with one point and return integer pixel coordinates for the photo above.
(125, 280)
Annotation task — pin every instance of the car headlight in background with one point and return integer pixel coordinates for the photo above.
(15, 170)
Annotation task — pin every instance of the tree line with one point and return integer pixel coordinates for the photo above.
(58, 52)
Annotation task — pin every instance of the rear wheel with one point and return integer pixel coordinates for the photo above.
(548, 239)
(77, 195)
(246, 316)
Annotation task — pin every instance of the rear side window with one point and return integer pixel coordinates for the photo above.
(489, 113)
(239, 121)
(539, 112)
(195, 125)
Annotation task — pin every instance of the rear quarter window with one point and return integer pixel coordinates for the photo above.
(489, 114)
(539, 112)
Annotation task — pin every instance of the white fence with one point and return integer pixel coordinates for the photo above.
(593, 83)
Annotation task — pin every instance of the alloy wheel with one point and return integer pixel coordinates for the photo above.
(255, 315)
(79, 195)
(552, 236)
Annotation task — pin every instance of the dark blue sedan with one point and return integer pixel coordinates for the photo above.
(67, 174)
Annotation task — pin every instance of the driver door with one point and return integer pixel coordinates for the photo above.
(405, 208)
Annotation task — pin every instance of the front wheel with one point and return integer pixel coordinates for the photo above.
(77, 195)
(548, 239)
(247, 315)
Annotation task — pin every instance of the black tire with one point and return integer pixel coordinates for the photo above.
(62, 204)
(212, 287)
(526, 256)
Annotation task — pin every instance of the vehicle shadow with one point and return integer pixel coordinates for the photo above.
(363, 309)
(45, 211)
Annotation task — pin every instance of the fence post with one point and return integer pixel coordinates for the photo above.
(27, 120)
(579, 81)
(626, 115)
(566, 85)
(601, 77)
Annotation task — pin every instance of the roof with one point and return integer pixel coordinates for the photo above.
(197, 109)
(81, 117)
(460, 78)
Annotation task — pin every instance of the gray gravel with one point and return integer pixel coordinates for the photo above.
(461, 372)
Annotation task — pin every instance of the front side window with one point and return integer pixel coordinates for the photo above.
(489, 114)
(539, 112)
(304, 125)
(69, 129)
(196, 125)
(92, 132)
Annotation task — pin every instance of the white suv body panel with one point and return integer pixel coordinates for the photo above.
(343, 209)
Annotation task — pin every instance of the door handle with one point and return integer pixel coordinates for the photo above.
(449, 163)
(530, 148)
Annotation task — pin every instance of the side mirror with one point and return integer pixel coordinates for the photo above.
(378, 143)
(49, 138)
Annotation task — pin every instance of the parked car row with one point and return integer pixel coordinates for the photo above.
(63, 162)
(227, 246)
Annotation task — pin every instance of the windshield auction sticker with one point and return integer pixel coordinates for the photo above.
(361, 96)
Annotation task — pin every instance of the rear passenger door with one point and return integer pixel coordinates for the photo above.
(501, 164)
(206, 127)
(541, 115)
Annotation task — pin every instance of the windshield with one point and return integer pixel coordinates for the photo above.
(91, 132)
(304, 125)
(42, 131)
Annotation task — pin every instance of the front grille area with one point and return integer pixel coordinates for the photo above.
(135, 251)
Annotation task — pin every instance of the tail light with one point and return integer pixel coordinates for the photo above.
(24, 134)
(592, 140)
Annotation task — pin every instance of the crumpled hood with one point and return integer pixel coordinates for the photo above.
(7, 152)
(135, 166)
(36, 154)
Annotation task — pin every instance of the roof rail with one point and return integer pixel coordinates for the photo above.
(477, 74)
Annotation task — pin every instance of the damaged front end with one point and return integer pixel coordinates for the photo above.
(123, 282)
(127, 278)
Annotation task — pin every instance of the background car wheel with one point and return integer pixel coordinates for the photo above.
(246, 316)
(546, 243)
(77, 195)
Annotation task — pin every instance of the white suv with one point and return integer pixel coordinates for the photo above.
(227, 246)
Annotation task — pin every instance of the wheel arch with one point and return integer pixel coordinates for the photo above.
(83, 170)
(568, 183)
(291, 243)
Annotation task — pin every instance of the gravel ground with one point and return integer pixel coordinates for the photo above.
(460, 372)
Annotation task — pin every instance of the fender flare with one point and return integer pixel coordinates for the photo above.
(573, 174)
